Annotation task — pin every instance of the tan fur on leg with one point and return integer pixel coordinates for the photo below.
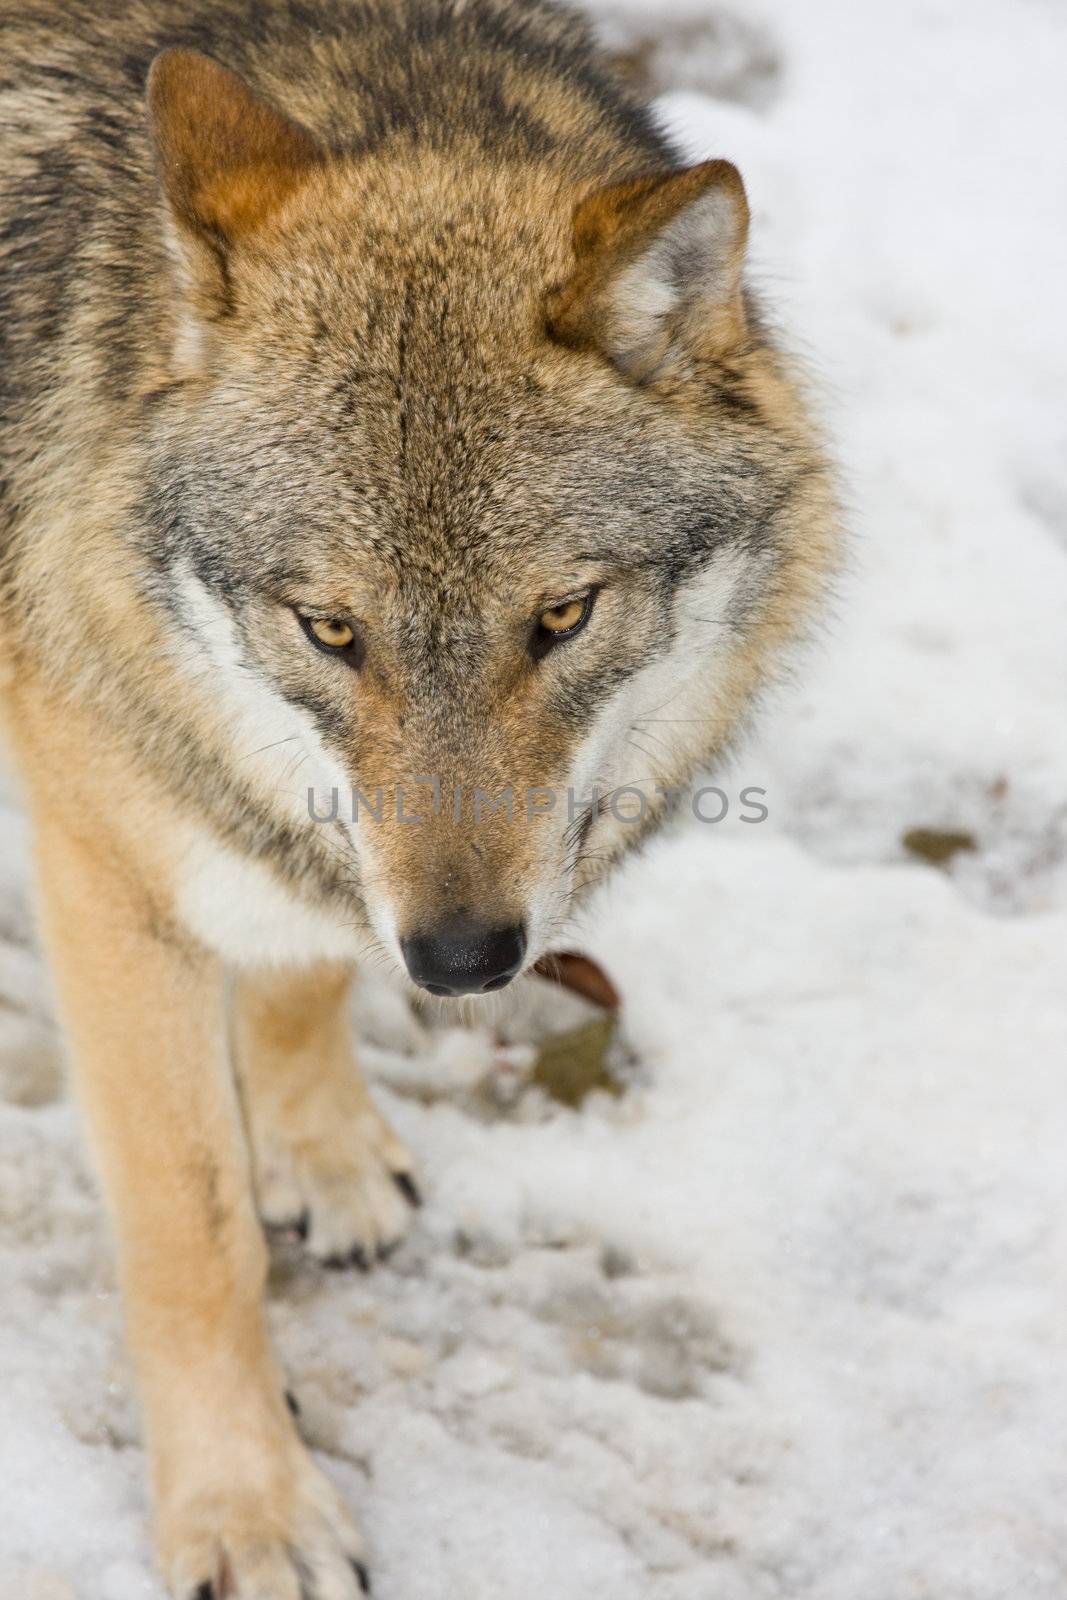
(239, 1501)
(324, 1157)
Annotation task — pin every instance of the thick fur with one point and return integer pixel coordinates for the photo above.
(401, 313)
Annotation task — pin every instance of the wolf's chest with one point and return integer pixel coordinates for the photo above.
(240, 909)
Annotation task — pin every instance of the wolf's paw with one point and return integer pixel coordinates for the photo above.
(295, 1542)
(346, 1187)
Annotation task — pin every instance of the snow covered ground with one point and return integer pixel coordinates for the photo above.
(789, 1318)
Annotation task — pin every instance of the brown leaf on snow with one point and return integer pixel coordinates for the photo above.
(936, 845)
(582, 976)
(573, 1065)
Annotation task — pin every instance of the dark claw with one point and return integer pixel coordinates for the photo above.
(363, 1575)
(295, 1227)
(355, 1258)
(408, 1188)
(292, 1402)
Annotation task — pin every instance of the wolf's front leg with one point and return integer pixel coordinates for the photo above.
(241, 1508)
(324, 1157)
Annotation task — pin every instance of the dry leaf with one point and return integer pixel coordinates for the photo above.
(582, 976)
(573, 1065)
(936, 845)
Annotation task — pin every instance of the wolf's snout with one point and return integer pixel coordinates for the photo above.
(464, 956)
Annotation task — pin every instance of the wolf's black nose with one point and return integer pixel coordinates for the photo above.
(463, 956)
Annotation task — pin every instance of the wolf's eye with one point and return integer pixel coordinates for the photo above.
(557, 623)
(327, 630)
(334, 637)
(564, 618)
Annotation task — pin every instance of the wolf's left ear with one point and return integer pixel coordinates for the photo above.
(658, 270)
(226, 160)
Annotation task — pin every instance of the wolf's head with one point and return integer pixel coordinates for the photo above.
(481, 489)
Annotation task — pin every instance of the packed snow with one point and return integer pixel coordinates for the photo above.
(786, 1320)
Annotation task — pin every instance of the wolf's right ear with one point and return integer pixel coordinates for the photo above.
(657, 276)
(226, 160)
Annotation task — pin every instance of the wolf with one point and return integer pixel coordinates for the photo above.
(382, 408)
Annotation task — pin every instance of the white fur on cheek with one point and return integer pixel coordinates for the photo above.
(275, 742)
(234, 904)
(675, 695)
(679, 688)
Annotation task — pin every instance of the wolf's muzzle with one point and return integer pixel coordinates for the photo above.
(464, 956)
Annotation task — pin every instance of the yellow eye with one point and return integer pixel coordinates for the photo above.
(556, 623)
(334, 638)
(564, 618)
(335, 635)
